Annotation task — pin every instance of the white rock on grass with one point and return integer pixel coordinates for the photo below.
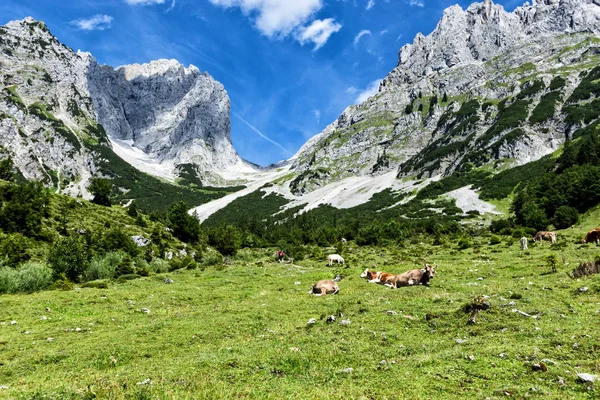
(145, 311)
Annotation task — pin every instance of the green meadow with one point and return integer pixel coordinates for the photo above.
(240, 329)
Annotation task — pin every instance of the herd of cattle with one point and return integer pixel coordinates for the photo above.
(422, 276)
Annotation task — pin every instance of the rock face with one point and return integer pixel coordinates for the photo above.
(486, 85)
(62, 115)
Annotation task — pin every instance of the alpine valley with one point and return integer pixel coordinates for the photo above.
(466, 108)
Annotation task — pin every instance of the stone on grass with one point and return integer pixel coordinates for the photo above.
(539, 367)
(347, 370)
(345, 322)
(583, 289)
(311, 321)
(460, 341)
(391, 312)
(587, 377)
(13, 322)
(145, 311)
(330, 319)
(168, 280)
(145, 382)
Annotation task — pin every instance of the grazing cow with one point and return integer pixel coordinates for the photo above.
(592, 236)
(326, 286)
(523, 242)
(419, 276)
(334, 257)
(541, 235)
(378, 277)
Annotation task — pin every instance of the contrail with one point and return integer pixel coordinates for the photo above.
(259, 133)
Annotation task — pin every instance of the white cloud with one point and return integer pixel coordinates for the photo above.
(371, 90)
(370, 4)
(361, 34)
(317, 115)
(275, 17)
(352, 90)
(280, 18)
(144, 2)
(98, 22)
(383, 32)
(416, 3)
(318, 32)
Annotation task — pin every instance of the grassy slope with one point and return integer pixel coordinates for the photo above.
(230, 333)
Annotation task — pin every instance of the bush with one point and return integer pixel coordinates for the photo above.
(101, 189)
(15, 248)
(125, 267)
(104, 267)
(116, 239)
(495, 240)
(185, 227)
(565, 217)
(34, 276)
(63, 284)
(464, 243)
(185, 262)
(227, 240)
(159, 266)
(70, 257)
(127, 277)
(9, 280)
(96, 285)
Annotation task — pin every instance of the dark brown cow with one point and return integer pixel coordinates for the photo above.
(592, 236)
(551, 236)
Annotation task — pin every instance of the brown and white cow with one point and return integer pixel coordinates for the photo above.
(326, 286)
(551, 236)
(378, 277)
(419, 276)
(592, 236)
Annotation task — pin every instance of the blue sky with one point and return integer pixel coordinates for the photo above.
(290, 66)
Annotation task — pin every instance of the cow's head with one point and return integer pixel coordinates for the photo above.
(429, 270)
(366, 274)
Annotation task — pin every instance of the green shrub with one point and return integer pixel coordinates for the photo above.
(159, 266)
(15, 248)
(116, 239)
(101, 189)
(125, 267)
(185, 262)
(104, 267)
(226, 239)
(495, 240)
(185, 227)
(70, 257)
(99, 284)
(464, 243)
(212, 258)
(9, 280)
(63, 284)
(144, 270)
(565, 217)
(34, 276)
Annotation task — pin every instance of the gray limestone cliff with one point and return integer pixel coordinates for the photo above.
(63, 117)
(486, 85)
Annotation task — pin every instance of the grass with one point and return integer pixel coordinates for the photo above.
(240, 331)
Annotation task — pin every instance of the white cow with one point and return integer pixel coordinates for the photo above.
(523, 242)
(334, 257)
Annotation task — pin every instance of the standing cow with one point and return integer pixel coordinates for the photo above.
(334, 257)
(541, 235)
(592, 236)
(523, 242)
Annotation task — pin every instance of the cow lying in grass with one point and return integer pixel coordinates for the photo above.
(377, 277)
(326, 286)
(419, 276)
(334, 257)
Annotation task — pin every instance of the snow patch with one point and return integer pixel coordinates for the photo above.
(467, 200)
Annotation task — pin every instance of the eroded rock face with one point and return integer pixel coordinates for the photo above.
(57, 106)
(483, 53)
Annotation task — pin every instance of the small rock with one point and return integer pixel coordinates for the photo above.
(330, 319)
(297, 283)
(561, 381)
(472, 358)
(338, 278)
(311, 321)
(391, 312)
(583, 289)
(168, 281)
(347, 370)
(77, 329)
(575, 345)
(512, 303)
(587, 377)
(461, 341)
(548, 361)
(502, 355)
(26, 332)
(145, 311)
(294, 349)
(49, 339)
(382, 362)
(145, 382)
(345, 322)
(13, 322)
(3, 387)
(480, 278)
(48, 309)
(44, 318)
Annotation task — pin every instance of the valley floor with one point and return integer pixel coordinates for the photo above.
(240, 330)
